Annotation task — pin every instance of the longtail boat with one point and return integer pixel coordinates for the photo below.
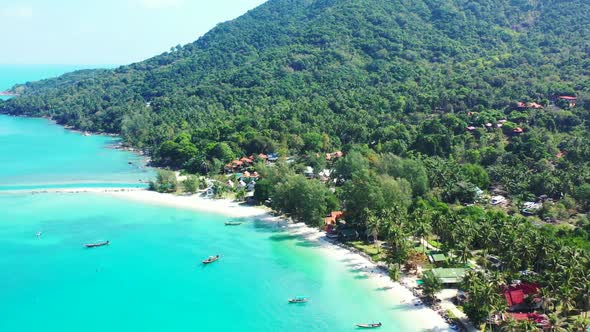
(233, 223)
(98, 244)
(211, 259)
(369, 326)
(298, 299)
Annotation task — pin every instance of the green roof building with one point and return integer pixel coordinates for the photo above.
(450, 275)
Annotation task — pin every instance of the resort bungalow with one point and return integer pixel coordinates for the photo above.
(516, 297)
(569, 101)
(437, 259)
(449, 276)
(331, 220)
(517, 131)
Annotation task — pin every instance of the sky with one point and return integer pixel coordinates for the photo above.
(105, 32)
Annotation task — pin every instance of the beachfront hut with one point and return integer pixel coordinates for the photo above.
(450, 276)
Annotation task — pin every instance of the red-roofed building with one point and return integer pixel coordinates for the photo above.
(570, 100)
(533, 316)
(514, 297)
(515, 294)
(518, 130)
(330, 221)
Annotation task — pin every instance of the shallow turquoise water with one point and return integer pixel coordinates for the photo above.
(37, 151)
(150, 278)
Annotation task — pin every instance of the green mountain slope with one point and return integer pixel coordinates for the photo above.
(350, 69)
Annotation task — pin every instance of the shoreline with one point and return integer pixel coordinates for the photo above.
(397, 293)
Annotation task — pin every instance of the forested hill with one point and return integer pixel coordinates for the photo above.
(350, 69)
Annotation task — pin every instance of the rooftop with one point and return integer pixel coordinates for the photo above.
(450, 275)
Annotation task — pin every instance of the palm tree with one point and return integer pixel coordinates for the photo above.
(548, 298)
(394, 273)
(566, 294)
(421, 222)
(528, 326)
(579, 324)
(431, 284)
(510, 325)
(583, 290)
(557, 324)
(373, 224)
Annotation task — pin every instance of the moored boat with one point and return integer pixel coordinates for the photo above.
(97, 244)
(233, 223)
(298, 299)
(369, 326)
(211, 259)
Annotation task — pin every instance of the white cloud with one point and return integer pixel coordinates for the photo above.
(159, 4)
(16, 12)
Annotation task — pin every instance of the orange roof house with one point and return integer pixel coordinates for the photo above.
(518, 130)
(523, 105)
(334, 155)
(567, 98)
(333, 217)
(534, 106)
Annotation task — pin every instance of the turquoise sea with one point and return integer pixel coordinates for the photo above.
(150, 278)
